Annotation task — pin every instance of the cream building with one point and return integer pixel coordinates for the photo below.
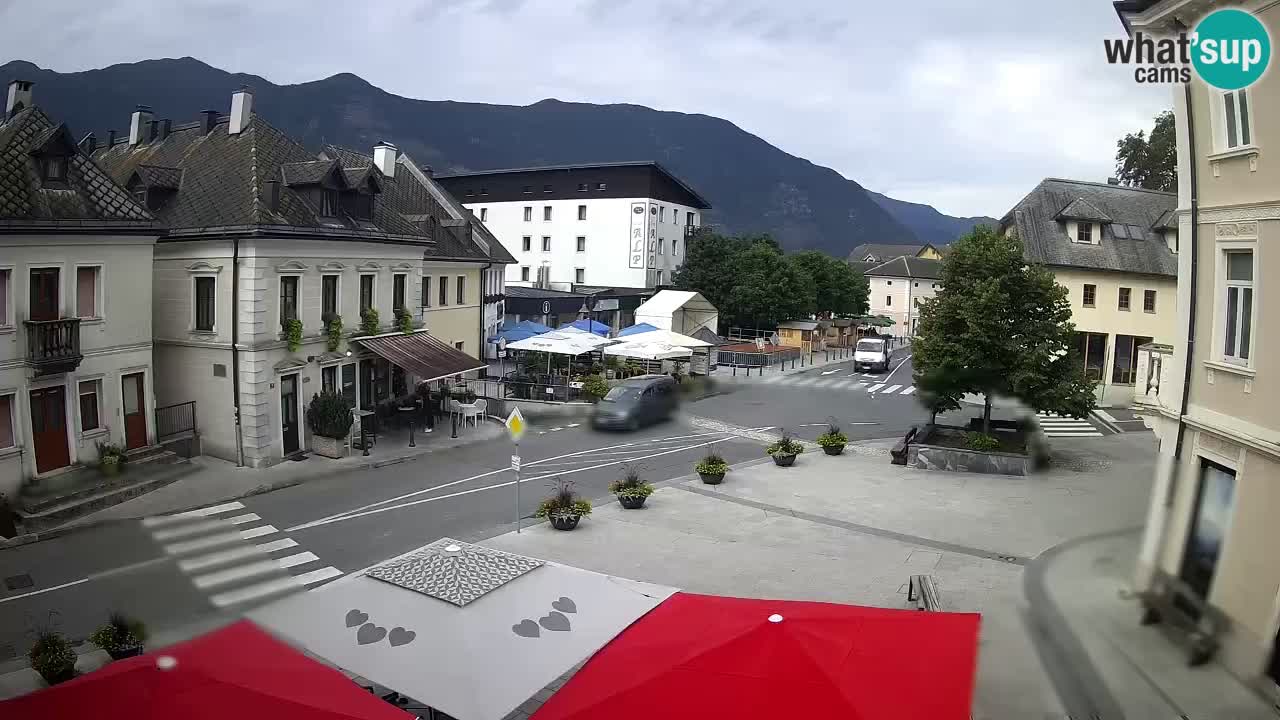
(1114, 249)
(1211, 529)
(899, 286)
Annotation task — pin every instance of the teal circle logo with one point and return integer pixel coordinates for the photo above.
(1230, 49)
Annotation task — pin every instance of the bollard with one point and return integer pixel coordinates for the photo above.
(364, 439)
(735, 370)
(453, 418)
(411, 443)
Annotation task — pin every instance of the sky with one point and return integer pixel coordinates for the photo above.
(961, 104)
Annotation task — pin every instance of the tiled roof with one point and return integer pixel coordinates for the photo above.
(306, 173)
(883, 251)
(908, 267)
(168, 178)
(519, 291)
(1127, 243)
(863, 266)
(1081, 209)
(89, 199)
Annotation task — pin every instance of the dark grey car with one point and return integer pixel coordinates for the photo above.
(636, 402)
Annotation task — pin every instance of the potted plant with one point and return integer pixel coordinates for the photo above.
(370, 323)
(785, 450)
(631, 489)
(594, 387)
(404, 321)
(330, 420)
(833, 440)
(52, 657)
(332, 331)
(711, 468)
(563, 508)
(120, 636)
(110, 458)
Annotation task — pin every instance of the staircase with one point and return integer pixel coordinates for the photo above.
(58, 500)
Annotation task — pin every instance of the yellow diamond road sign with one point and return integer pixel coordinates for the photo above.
(515, 424)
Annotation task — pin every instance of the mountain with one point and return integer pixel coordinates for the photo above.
(752, 185)
(927, 223)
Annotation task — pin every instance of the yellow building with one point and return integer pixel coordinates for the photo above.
(882, 252)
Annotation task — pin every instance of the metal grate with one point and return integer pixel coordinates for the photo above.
(19, 582)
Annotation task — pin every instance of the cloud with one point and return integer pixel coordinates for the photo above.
(962, 105)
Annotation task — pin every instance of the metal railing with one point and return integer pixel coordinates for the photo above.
(53, 346)
(175, 420)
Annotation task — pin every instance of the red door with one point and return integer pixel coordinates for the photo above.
(135, 411)
(49, 428)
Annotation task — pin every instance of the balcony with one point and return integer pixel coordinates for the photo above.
(53, 346)
(691, 230)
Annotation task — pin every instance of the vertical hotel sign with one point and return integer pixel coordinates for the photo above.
(636, 260)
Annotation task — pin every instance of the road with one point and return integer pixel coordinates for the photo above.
(172, 572)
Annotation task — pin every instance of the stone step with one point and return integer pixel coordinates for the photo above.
(86, 480)
(52, 516)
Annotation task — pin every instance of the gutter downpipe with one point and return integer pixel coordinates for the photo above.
(483, 348)
(235, 345)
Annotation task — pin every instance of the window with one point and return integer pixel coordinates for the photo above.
(1215, 504)
(1084, 233)
(662, 214)
(526, 243)
(601, 186)
(329, 379)
(546, 188)
(329, 203)
(1124, 298)
(661, 245)
(527, 189)
(328, 295)
(1236, 112)
(528, 213)
(54, 169)
(688, 219)
(205, 287)
(470, 192)
(917, 284)
(1093, 351)
(524, 274)
(916, 301)
(484, 214)
(675, 250)
(1124, 367)
(366, 292)
(89, 418)
(459, 345)
(582, 212)
(87, 292)
(546, 213)
(426, 291)
(659, 277)
(397, 291)
(582, 187)
(546, 243)
(462, 289)
(579, 275)
(888, 301)
(443, 298)
(1239, 320)
(1090, 295)
(288, 298)
(1149, 301)
(5, 274)
(582, 243)
(7, 439)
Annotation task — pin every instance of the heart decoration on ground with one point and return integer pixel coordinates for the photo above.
(555, 622)
(399, 636)
(526, 628)
(565, 604)
(355, 617)
(370, 633)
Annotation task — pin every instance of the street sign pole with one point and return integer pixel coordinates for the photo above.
(515, 428)
(517, 467)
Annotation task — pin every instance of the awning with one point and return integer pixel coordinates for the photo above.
(665, 336)
(465, 629)
(562, 342)
(422, 354)
(644, 349)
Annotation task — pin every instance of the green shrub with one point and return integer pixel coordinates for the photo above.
(329, 416)
(370, 324)
(404, 321)
(293, 334)
(119, 633)
(110, 453)
(333, 330)
(52, 656)
(630, 484)
(786, 445)
(595, 387)
(981, 441)
(563, 501)
(711, 464)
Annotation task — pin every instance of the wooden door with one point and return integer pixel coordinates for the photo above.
(44, 294)
(49, 428)
(289, 413)
(135, 411)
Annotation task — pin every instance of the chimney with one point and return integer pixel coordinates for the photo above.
(88, 144)
(111, 138)
(166, 127)
(137, 123)
(241, 110)
(210, 119)
(153, 130)
(19, 97)
(427, 169)
(384, 156)
(1113, 181)
(271, 188)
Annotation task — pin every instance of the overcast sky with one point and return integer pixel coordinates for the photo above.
(962, 104)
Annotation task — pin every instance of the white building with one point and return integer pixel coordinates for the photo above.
(899, 286)
(608, 224)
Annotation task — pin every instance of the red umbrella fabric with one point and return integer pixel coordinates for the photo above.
(238, 672)
(704, 656)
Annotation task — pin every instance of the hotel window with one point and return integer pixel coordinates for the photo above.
(524, 274)
(579, 275)
(659, 277)
(328, 295)
(675, 249)
(527, 189)
(484, 214)
(1123, 300)
(582, 212)
(288, 298)
(397, 291)
(90, 419)
(1149, 301)
(1084, 233)
(366, 292)
(546, 213)
(5, 274)
(55, 169)
(204, 302)
(546, 243)
(444, 291)
(1090, 295)
(87, 285)
(484, 191)
(1239, 306)
(688, 219)
(582, 187)
(462, 289)
(7, 439)
(526, 243)
(601, 186)
(1124, 368)
(582, 243)
(1235, 110)
(426, 291)
(528, 213)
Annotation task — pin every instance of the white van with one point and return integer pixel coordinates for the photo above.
(871, 353)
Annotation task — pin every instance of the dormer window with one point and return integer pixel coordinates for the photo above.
(329, 202)
(1084, 233)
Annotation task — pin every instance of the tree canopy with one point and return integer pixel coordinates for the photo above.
(999, 327)
(1150, 161)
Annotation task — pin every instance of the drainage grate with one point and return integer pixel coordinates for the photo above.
(18, 582)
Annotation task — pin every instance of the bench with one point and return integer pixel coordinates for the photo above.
(922, 591)
(1172, 601)
(899, 451)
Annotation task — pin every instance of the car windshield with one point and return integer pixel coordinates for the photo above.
(870, 345)
(622, 393)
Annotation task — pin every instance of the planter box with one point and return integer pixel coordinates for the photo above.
(632, 502)
(712, 478)
(932, 457)
(564, 522)
(784, 460)
(833, 449)
(326, 446)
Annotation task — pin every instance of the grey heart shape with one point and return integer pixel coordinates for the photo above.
(526, 628)
(370, 633)
(355, 617)
(399, 636)
(565, 604)
(554, 621)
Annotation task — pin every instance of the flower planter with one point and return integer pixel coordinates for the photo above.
(58, 676)
(125, 652)
(564, 522)
(326, 446)
(109, 469)
(784, 460)
(712, 478)
(833, 449)
(632, 502)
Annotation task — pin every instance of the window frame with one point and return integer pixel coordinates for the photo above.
(6, 298)
(330, 201)
(373, 292)
(524, 273)
(1124, 299)
(580, 243)
(99, 290)
(337, 293)
(12, 413)
(461, 290)
(399, 291)
(48, 163)
(888, 301)
(582, 212)
(195, 304)
(546, 243)
(1238, 118)
(528, 213)
(1089, 295)
(324, 373)
(675, 250)
(484, 214)
(96, 392)
(526, 243)
(442, 291)
(425, 300)
(1242, 330)
(546, 213)
(1149, 301)
(1084, 233)
(283, 281)
(580, 275)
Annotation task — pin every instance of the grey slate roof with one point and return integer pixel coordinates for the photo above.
(88, 200)
(863, 266)
(1081, 209)
(1127, 244)
(308, 172)
(153, 176)
(908, 267)
(520, 291)
(883, 251)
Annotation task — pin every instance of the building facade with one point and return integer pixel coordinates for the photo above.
(899, 286)
(611, 224)
(1217, 481)
(1114, 249)
(75, 311)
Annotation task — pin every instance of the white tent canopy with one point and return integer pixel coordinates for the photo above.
(562, 342)
(466, 629)
(669, 337)
(680, 311)
(643, 348)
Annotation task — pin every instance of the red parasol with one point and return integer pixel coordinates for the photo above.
(704, 656)
(237, 672)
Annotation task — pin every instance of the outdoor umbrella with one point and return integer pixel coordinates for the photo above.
(636, 329)
(702, 656)
(237, 672)
(644, 349)
(591, 326)
(534, 327)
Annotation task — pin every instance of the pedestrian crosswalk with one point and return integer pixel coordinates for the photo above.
(841, 381)
(1055, 425)
(234, 556)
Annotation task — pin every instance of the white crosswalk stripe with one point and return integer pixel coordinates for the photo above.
(232, 554)
(1062, 426)
(815, 381)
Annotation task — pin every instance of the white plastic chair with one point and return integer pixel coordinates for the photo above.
(482, 409)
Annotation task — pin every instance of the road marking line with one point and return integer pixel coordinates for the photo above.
(828, 372)
(221, 557)
(875, 387)
(891, 389)
(203, 543)
(242, 519)
(573, 425)
(240, 572)
(195, 528)
(862, 385)
(160, 520)
(258, 531)
(909, 390)
(44, 590)
(1066, 434)
(895, 370)
(254, 592)
(320, 575)
(301, 558)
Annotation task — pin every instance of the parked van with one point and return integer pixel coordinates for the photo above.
(638, 401)
(871, 354)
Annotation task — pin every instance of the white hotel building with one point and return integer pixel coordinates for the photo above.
(607, 224)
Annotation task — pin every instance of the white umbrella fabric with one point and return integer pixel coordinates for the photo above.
(643, 349)
(669, 337)
(562, 342)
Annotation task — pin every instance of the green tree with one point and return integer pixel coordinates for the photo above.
(767, 288)
(999, 326)
(706, 267)
(838, 288)
(1150, 161)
